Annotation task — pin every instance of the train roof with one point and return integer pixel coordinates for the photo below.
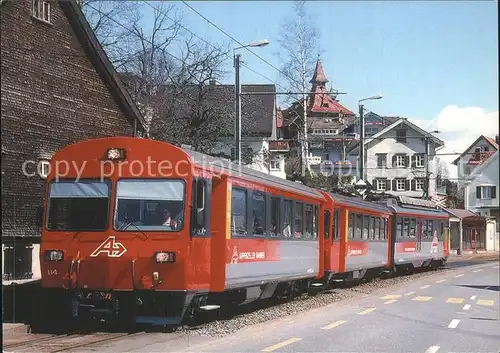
(359, 203)
(415, 207)
(253, 175)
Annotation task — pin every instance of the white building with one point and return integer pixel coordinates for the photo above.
(474, 156)
(481, 189)
(395, 160)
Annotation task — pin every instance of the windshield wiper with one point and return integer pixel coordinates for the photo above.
(128, 224)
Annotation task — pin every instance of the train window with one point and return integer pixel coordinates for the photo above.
(366, 226)
(258, 213)
(275, 216)
(299, 222)
(377, 228)
(309, 221)
(336, 224)
(371, 230)
(424, 229)
(287, 218)
(350, 225)
(77, 206)
(406, 227)
(358, 226)
(327, 224)
(239, 212)
(441, 233)
(430, 227)
(399, 227)
(150, 205)
(413, 224)
(199, 209)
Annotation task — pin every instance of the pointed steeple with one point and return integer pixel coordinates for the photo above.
(319, 77)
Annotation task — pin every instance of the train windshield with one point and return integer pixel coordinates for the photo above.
(81, 205)
(149, 205)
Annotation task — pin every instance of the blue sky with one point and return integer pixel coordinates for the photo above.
(420, 55)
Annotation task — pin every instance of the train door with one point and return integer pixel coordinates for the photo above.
(328, 238)
(419, 234)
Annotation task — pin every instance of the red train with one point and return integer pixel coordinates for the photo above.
(137, 228)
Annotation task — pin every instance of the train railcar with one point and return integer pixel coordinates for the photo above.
(357, 244)
(420, 234)
(141, 229)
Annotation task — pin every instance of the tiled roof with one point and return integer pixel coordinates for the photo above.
(460, 213)
(319, 75)
(490, 140)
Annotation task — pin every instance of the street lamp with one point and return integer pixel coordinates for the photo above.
(237, 93)
(362, 134)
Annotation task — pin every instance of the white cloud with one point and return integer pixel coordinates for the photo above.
(459, 128)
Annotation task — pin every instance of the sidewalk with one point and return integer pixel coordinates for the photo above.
(479, 256)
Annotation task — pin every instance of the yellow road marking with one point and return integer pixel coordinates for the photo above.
(485, 302)
(390, 301)
(426, 286)
(440, 281)
(410, 293)
(422, 299)
(455, 300)
(460, 275)
(478, 270)
(280, 345)
(335, 324)
(367, 311)
(391, 296)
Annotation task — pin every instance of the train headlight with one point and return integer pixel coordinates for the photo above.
(165, 257)
(54, 255)
(115, 154)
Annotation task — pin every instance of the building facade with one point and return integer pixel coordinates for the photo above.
(327, 120)
(395, 160)
(481, 189)
(58, 87)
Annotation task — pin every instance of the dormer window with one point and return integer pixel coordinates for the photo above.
(41, 10)
(324, 105)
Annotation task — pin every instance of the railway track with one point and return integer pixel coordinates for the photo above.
(63, 343)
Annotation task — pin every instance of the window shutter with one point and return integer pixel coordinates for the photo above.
(394, 160)
(387, 185)
(407, 161)
(493, 192)
(414, 161)
(394, 184)
(407, 184)
(375, 184)
(413, 182)
(478, 192)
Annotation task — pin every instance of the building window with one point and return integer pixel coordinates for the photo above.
(44, 169)
(400, 184)
(419, 184)
(399, 161)
(486, 192)
(381, 160)
(401, 135)
(419, 160)
(17, 261)
(41, 10)
(380, 184)
(275, 164)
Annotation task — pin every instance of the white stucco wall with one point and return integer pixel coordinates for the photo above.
(387, 144)
(488, 176)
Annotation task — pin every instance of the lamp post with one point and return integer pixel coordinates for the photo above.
(362, 135)
(237, 93)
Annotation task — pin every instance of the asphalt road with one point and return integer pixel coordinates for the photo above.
(452, 311)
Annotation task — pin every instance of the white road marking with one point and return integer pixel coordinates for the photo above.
(473, 297)
(497, 266)
(432, 349)
(466, 307)
(454, 323)
(426, 286)
(478, 270)
(440, 281)
(460, 275)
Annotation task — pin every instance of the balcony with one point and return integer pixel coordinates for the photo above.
(479, 157)
(279, 146)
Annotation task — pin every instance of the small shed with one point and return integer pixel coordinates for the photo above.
(467, 230)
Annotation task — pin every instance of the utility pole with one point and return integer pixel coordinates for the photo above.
(237, 92)
(426, 163)
(361, 143)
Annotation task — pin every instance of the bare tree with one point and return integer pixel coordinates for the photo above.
(298, 39)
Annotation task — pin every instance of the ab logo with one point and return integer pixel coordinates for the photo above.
(234, 258)
(110, 248)
(434, 246)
